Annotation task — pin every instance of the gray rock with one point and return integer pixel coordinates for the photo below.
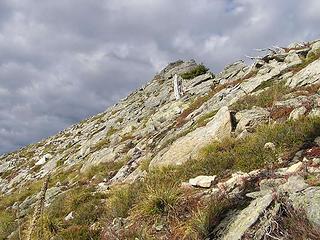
(247, 217)
(295, 168)
(43, 159)
(104, 155)
(198, 80)
(69, 217)
(317, 141)
(308, 75)
(248, 119)
(187, 147)
(314, 112)
(309, 200)
(294, 184)
(178, 67)
(297, 113)
(315, 49)
(231, 71)
(292, 59)
(271, 184)
(237, 179)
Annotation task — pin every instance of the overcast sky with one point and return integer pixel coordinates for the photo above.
(64, 60)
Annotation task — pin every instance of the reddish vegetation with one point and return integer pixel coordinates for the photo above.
(311, 89)
(281, 112)
(313, 152)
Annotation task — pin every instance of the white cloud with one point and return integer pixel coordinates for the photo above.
(53, 52)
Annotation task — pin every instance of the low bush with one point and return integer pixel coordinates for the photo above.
(198, 70)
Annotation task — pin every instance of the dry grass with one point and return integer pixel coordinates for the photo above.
(204, 219)
(292, 224)
(266, 99)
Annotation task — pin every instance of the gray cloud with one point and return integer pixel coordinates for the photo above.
(61, 61)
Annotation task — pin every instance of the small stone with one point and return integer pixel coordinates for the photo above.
(102, 187)
(214, 191)
(43, 160)
(270, 146)
(202, 181)
(254, 173)
(297, 156)
(297, 113)
(159, 227)
(117, 223)
(317, 141)
(69, 217)
(237, 179)
(295, 168)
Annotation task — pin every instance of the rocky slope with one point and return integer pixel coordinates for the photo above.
(235, 155)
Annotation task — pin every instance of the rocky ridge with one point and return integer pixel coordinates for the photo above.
(150, 129)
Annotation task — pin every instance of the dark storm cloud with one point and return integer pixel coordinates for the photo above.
(61, 61)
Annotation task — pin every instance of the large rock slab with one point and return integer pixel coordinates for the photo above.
(103, 156)
(187, 147)
(247, 217)
(308, 200)
(308, 75)
(248, 119)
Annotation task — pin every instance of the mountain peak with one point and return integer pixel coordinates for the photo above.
(247, 138)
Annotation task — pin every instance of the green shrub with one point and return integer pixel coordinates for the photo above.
(198, 70)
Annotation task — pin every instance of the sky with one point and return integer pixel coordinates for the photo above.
(64, 60)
